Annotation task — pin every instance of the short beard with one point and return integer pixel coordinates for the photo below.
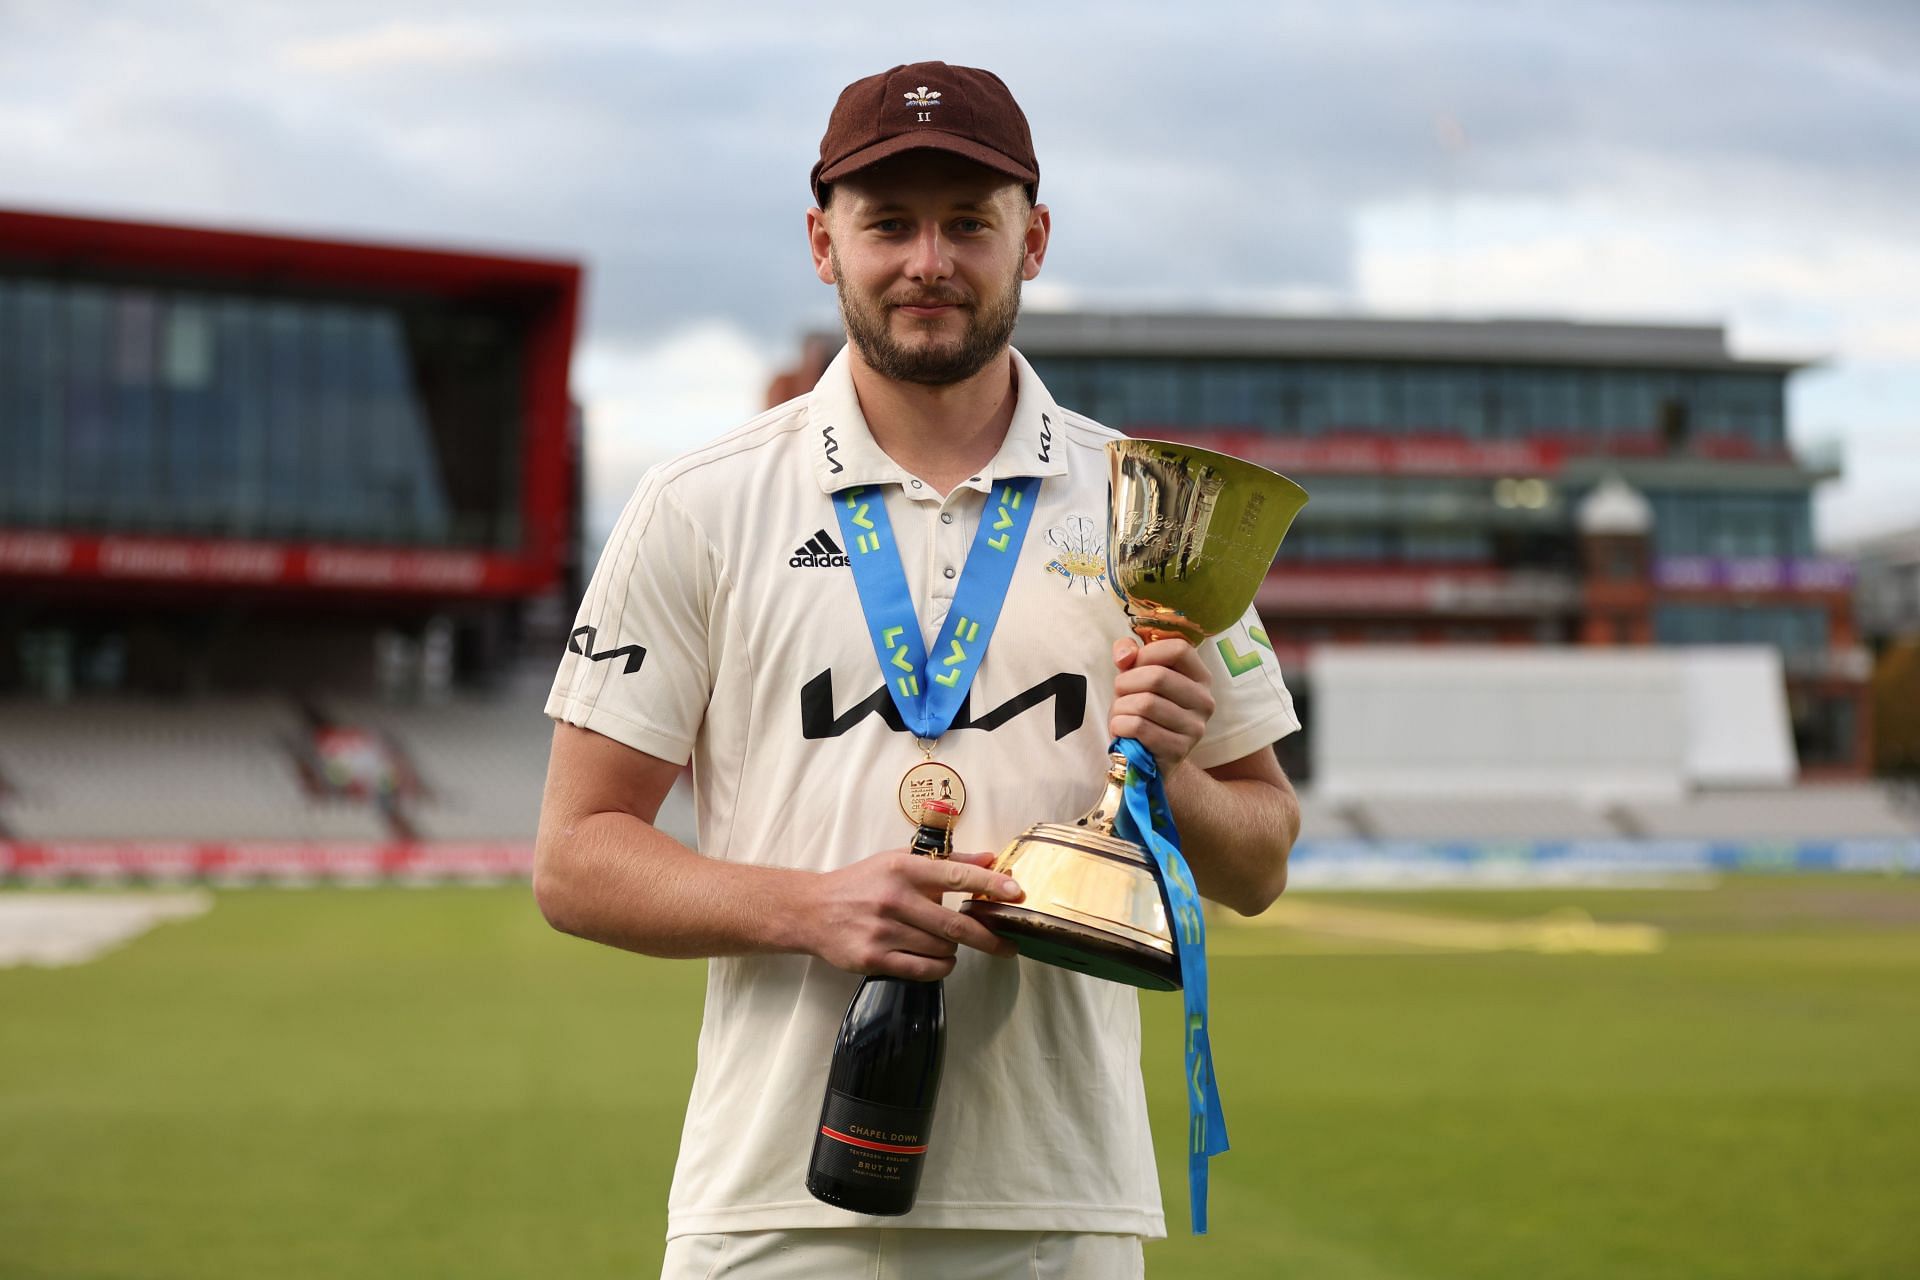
(986, 336)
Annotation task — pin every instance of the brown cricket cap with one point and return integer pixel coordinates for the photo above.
(967, 111)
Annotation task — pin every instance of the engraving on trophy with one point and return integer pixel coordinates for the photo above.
(1250, 518)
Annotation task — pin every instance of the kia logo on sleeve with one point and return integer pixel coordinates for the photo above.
(584, 638)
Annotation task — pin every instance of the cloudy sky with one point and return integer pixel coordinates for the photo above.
(1753, 162)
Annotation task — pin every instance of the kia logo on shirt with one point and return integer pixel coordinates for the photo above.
(817, 720)
(584, 638)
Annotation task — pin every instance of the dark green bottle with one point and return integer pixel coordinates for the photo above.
(885, 1076)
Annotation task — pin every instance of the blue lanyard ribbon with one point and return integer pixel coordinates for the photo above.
(1148, 820)
(929, 693)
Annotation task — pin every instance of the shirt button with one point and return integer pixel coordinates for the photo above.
(948, 571)
(914, 483)
(946, 517)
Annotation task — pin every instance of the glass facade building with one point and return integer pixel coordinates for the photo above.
(1703, 522)
(137, 407)
(1477, 401)
(1627, 412)
(238, 460)
(1669, 404)
(1449, 464)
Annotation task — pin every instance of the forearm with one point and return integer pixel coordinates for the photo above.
(1236, 834)
(612, 878)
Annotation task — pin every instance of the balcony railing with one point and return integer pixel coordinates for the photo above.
(1445, 592)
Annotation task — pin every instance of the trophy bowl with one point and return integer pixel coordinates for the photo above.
(1190, 536)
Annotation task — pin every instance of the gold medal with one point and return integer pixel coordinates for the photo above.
(930, 780)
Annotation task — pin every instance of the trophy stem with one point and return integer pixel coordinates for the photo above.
(1148, 633)
(1106, 811)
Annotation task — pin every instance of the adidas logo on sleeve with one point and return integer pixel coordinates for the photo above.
(820, 552)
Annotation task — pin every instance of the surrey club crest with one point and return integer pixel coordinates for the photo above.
(1079, 553)
(921, 102)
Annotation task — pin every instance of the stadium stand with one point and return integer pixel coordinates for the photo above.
(229, 770)
(1521, 818)
(1593, 726)
(481, 762)
(232, 769)
(1328, 819)
(151, 769)
(1837, 811)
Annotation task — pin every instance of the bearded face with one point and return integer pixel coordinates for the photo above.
(929, 351)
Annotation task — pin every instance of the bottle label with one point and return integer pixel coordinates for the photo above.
(867, 1142)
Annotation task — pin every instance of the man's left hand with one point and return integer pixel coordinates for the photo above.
(1163, 698)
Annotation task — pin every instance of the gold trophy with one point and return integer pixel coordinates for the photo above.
(1190, 535)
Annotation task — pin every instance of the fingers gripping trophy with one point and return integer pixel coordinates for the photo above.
(1190, 535)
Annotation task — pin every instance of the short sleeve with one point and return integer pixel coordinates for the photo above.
(1252, 708)
(637, 667)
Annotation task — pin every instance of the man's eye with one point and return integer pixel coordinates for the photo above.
(970, 226)
(887, 226)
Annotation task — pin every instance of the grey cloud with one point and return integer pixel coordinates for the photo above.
(1188, 153)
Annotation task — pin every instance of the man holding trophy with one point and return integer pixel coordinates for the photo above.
(934, 644)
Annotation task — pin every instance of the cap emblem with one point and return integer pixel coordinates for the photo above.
(922, 97)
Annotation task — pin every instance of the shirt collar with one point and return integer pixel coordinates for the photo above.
(845, 453)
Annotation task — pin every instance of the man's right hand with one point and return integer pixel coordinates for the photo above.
(883, 914)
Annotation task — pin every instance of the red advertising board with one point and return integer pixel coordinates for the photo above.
(1358, 454)
(211, 562)
(261, 862)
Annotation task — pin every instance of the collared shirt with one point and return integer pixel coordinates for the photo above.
(723, 625)
(848, 454)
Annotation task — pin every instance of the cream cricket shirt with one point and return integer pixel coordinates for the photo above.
(722, 624)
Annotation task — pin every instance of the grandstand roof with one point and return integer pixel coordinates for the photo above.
(1147, 333)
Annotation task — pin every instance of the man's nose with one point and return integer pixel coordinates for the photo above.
(932, 257)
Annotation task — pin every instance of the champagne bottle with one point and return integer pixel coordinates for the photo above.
(884, 1078)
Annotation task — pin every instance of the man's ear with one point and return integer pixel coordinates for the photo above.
(820, 241)
(1039, 232)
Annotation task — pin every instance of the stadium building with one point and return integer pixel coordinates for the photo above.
(273, 511)
(1505, 483)
(225, 457)
(288, 548)
(1890, 623)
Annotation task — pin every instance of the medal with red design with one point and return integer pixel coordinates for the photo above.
(931, 780)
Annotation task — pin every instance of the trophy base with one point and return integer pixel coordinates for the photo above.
(1079, 947)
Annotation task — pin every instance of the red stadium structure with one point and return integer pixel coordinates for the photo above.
(230, 460)
(279, 518)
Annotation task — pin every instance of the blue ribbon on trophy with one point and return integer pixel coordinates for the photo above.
(1148, 821)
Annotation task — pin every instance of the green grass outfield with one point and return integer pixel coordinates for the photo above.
(370, 1083)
